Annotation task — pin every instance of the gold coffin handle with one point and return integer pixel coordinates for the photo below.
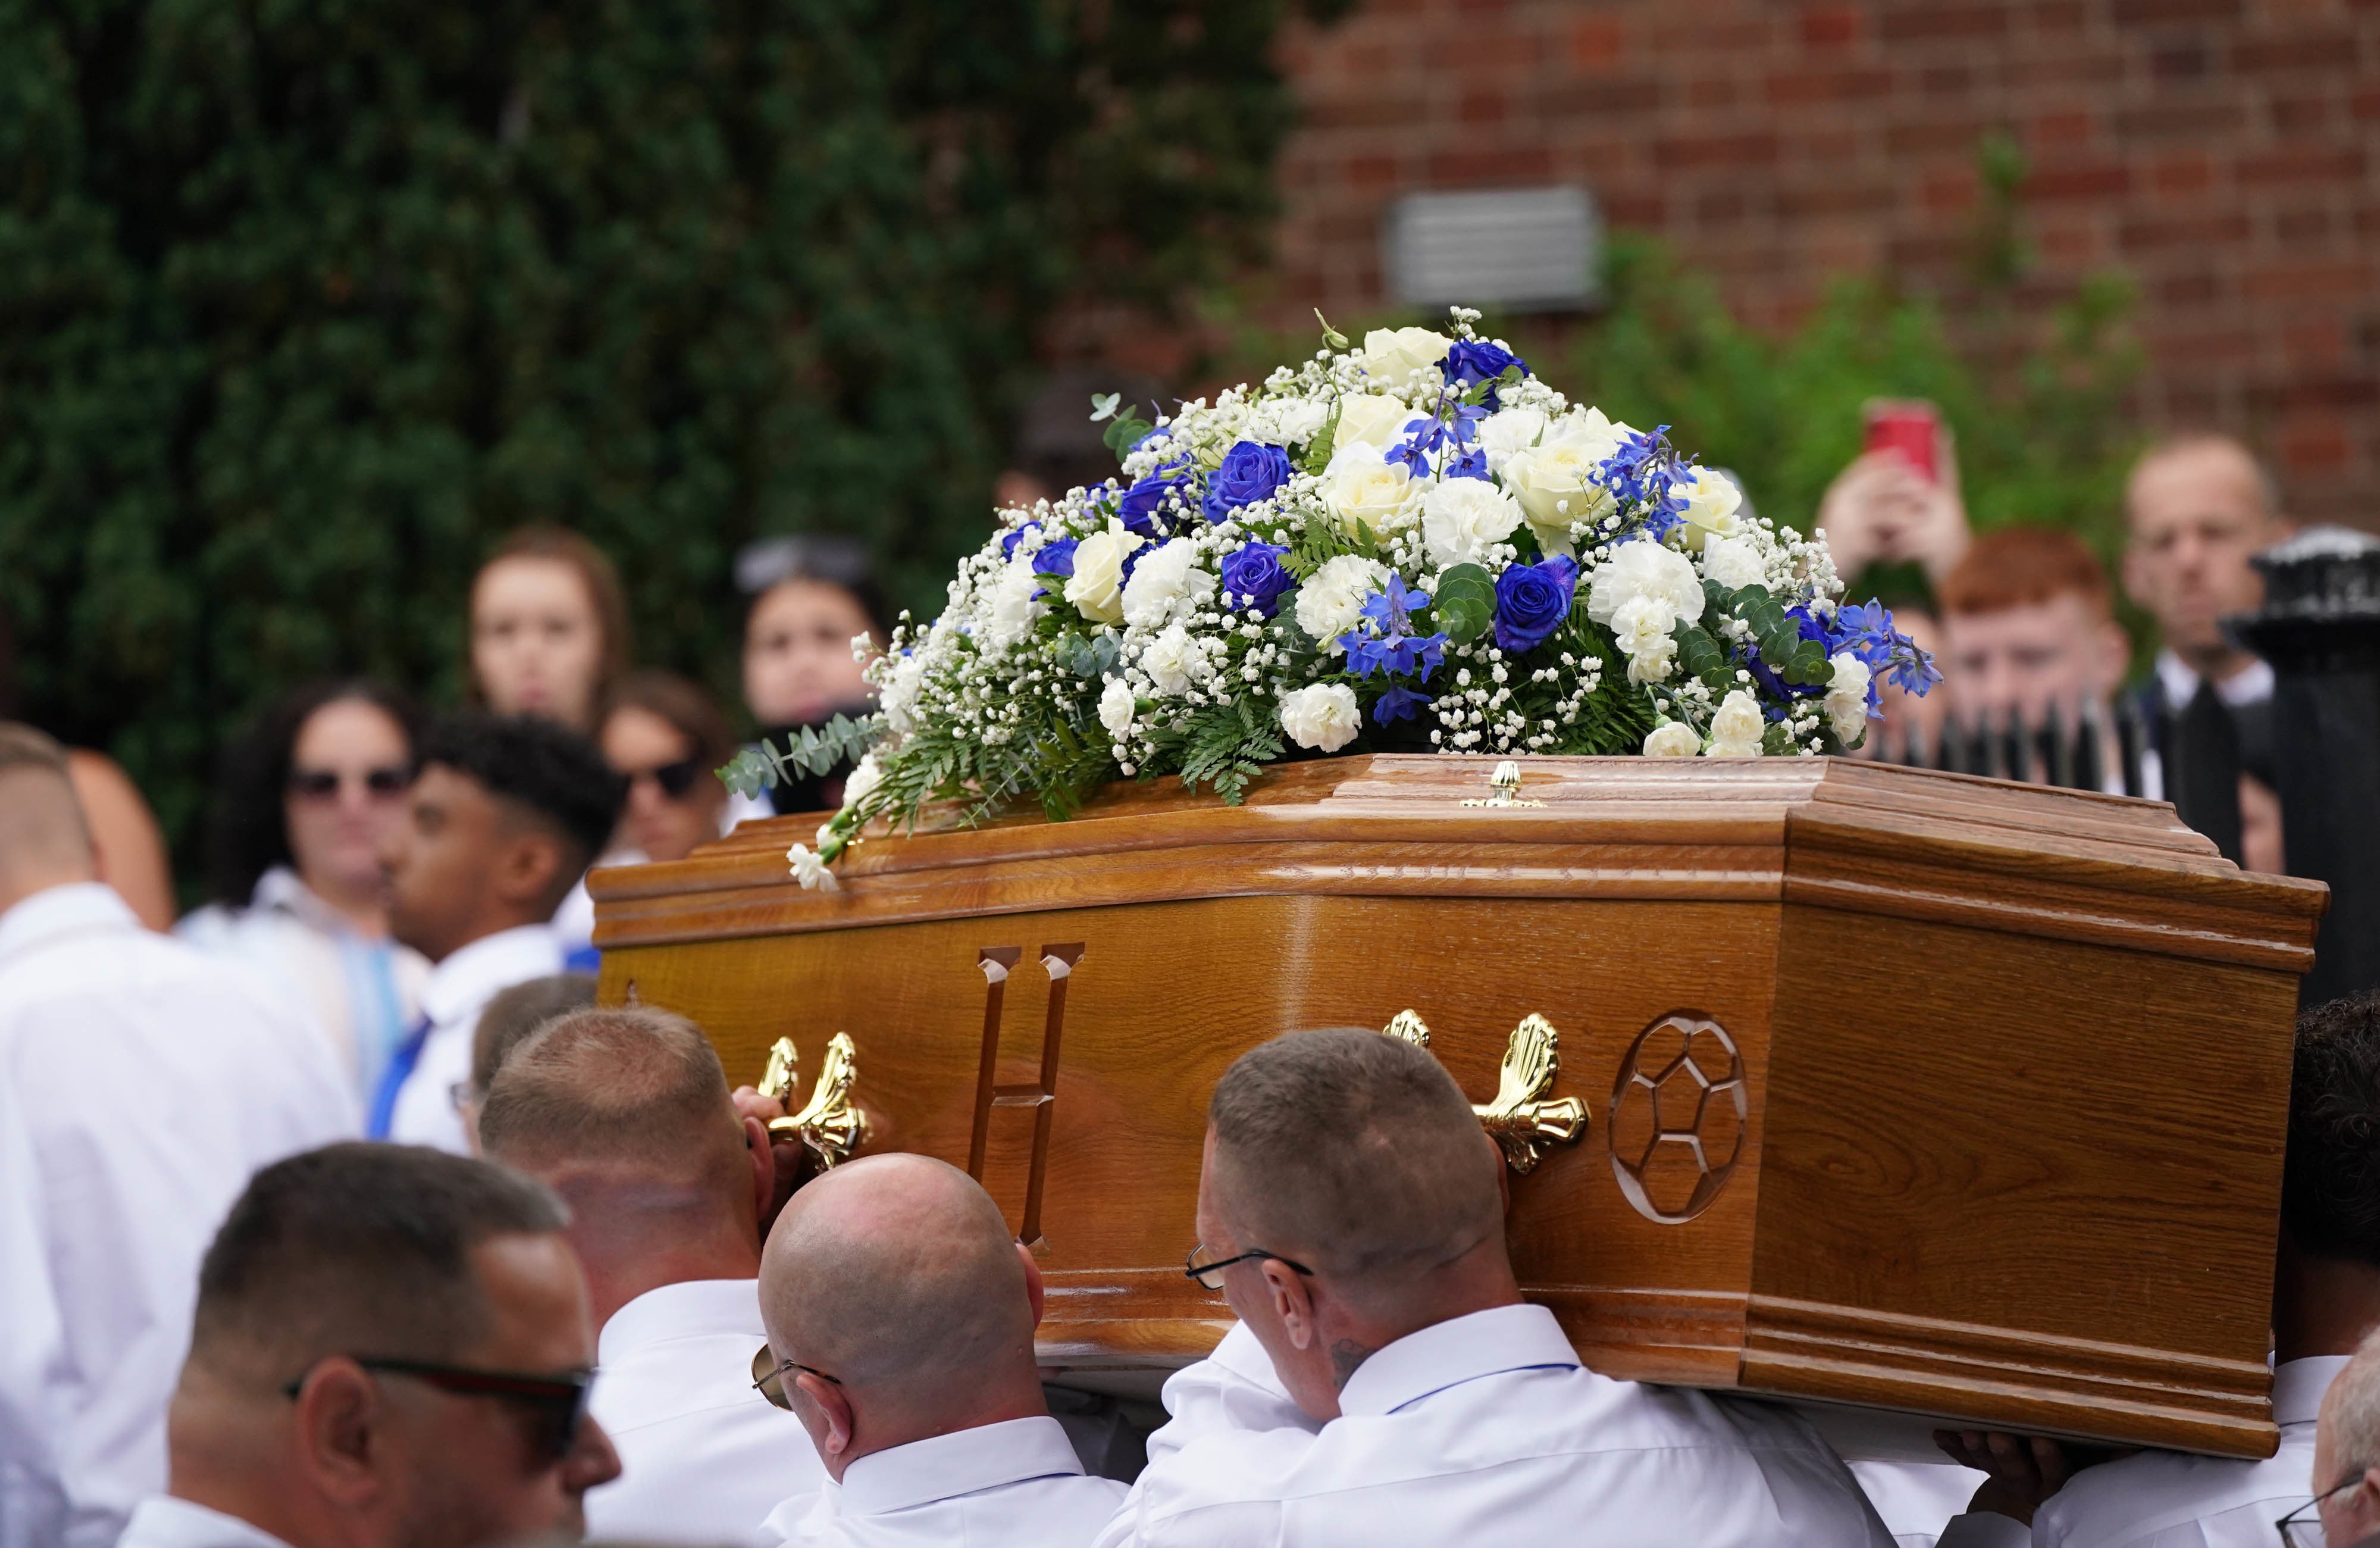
(1520, 1119)
(830, 1125)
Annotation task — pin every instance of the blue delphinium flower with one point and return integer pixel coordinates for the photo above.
(1399, 703)
(1448, 440)
(1643, 473)
(1532, 601)
(1391, 606)
(1866, 631)
(1390, 645)
(1253, 577)
(1251, 471)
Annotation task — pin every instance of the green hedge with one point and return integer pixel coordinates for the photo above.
(302, 302)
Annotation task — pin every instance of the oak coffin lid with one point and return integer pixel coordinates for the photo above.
(1833, 832)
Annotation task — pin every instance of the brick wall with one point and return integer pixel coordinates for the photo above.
(2225, 152)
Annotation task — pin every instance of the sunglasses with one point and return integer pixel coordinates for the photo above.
(556, 1404)
(676, 779)
(323, 785)
(769, 1372)
(1211, 1274)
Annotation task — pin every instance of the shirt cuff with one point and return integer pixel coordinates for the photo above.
(1984, 1529)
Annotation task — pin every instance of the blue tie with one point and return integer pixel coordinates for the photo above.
(392, 1079)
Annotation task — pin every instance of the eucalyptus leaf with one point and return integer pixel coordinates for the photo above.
(1465, 603)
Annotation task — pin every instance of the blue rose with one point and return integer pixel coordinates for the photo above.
(1474, 360)
(1250, 473)
(1532, 601)
(1015, 535)
(1056, 557)
(1143, 507)
(1254, 577)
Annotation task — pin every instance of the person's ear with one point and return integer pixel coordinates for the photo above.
(836, 1420)
(762, 1156)
(342, 1431)
(1033, 1289)
(527, 867)
(1292, 1303)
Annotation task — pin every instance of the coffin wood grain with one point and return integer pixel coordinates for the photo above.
(2016, 1059)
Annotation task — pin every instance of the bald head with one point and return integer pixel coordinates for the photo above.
(897, 1275)
(1353, 1152)
(43, 842)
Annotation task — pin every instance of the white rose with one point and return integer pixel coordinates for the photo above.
(1010, 607)
(1640, 568)
(1513, 430)
(902, 683)
(1392, 354)
(1174, 663)
(1362, 485)
(810, 870)
(1847, 697)
(1332, 599)
(1734, 563)
(1672, 739)
(865, 776)
(1167, 584)
(1712, 499)
(1374, 418)
(1556, 480)
(1117, 708)
(1461, 519)
(1322, 716)
(1095, 587)
(1736, 729)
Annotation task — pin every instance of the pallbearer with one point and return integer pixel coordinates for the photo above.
(1352, 1214)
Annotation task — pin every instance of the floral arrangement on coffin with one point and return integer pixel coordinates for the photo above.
(1416, 542)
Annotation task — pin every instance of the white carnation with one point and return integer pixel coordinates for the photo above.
(902, 682)
(1322, 716)
(1734, 563)
(1095, 587)
(1502, 435)
(1641, 567)
(1736, 729)
(810, 870)
(1174, 663)
(1362, 485)
(1332, 599)
(1712, 499)
(1375, 419)
(865, 776)
(1167, 584)
(1643, 626)
(1392, 354)
(1010, 608)
(1117, 708)
(1847, 697)
(1672, 739)
(1462, 519)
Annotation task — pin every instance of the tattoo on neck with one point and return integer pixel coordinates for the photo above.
(1346, 1356)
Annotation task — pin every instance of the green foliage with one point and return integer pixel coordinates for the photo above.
(302, 305)
(1465, 603)
(813, 750)
(1224, 746)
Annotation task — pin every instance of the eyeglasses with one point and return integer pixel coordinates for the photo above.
(2301, 1528)
(556, 1404)
(676, 779)
(771, 1384)
(1211, 1274)
(323, 785)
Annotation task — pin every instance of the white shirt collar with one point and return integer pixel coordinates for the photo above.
(2250, 684)
(963, 1462)
(1457, 1350)
(71, 909)
(467, 977)
(163, 1522)
(690, 1309)
(2298, 1386)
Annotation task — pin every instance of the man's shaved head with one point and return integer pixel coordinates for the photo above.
(1352, 1152)
(42, 838)
(897, 1275)
(635, 1092)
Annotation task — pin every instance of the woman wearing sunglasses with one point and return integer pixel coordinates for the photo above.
(306, 795)
(666, 738)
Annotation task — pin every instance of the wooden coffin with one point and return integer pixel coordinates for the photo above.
(1904, 1090)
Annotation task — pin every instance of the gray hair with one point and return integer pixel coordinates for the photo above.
(2351, 1409)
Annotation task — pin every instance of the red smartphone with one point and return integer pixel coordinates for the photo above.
(1909, 425)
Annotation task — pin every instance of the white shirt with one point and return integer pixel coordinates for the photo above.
(2171, 1499)
(1016, 1484)
(2251, 684)
(459, 988)
(166, 1522)
(362, 993)
(151, 1081)
(1484, 1429)
(1234, 1388)
(1916, 1500)
(703, 1458)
